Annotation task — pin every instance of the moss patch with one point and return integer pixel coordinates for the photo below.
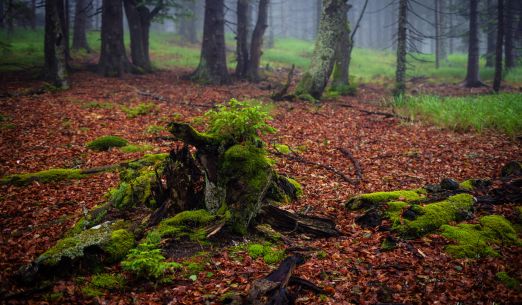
(130, 148)
(140, 109)
(111, 239)
(106, 143)
(434, 215)
(466, 185)
(46, 176)
(508, 280)
(297, 185)
(185, 224)
(370, 200)
(269, 254)
(108, 281)
(476, 240)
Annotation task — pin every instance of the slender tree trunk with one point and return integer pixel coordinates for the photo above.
(437, 34)
(65, 25)
(80, 25)
(443, 40)
(188, 24)
(400, 75)
(451, 40)
(257, 41)
(508, 31)
(54, 49)
(113, 60)
(472, 77)
(316, 78)
(491, 34)
(137, 36)
(271, 25)
(318, 6)
(33, 14)
(9, 18)
(242, 40)
(500, 40)
(340, 74)
(212, 68)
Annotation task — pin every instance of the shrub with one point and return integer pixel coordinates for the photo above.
(106, 142)
(146, 261)
(238, 122)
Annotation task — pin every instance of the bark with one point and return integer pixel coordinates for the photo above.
(212, 68)
(188, 24)
(137, 35)
(491, 34)
(271, 38)
(54, 49)
(508, 32)
(33, 14)
(113, 60)
(400, 75)
(472, 76)
(340, 75)
(500, 39)
(242, 41)
(315, 79)
(437, 34)
(443, 41)
(257, 41)
(2, 14)
(80, 25)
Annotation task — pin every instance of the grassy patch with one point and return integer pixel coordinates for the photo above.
(46, 176)
(106, 143)
(502, 112)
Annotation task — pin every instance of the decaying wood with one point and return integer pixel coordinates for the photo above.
(273, 289)
(287, 223)
(282, 94)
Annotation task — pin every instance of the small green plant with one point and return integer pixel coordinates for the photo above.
(106, 142)
(141, 109)
(155, 129)
(270, 255)
(238, 122)
(146, 261)
(108, 281)
(97, 105)
(507, 280)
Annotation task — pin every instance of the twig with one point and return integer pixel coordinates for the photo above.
(356, 164)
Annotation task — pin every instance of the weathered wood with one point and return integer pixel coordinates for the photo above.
(288, 223)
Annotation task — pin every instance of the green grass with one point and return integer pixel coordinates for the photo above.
(502, 112)
(167, 51)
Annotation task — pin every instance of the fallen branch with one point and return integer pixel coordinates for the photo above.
(368, 112)
(356, 164)
(296, 157)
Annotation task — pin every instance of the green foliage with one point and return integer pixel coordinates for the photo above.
(131, 148)
(502, 112)
(97, 105)
(134, 193)
(140, 109)
(270, 255)
(106, 142)
(46, 176)
(146, 261)
(507, 280)
(92, 292)
(185, 224)
(238, 122)
(475, 240)
(190, 218)
(282, 148)
(297, 185)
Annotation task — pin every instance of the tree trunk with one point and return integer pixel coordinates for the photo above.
(113, 60)
(257, 41)
(242, 40)
(443, 40)
(33, 14)
(315, 79)
(400, 75)
(491, 34)
(342, 61)
(271, 25)
(472, 77)
(138, 37)
(80, 25)
(187, 24)
(54, 49)
(437, 34)
(500, 39)
(212, 68)
(508, 31)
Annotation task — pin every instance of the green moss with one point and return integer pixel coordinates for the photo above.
(394, 211)
(185, 224)
(136, 192)
(92, 292)
(475, 240)
(190, 218)
(120, 243)
(46, 176)
(106, 143)
(304, 85)
(53, 296)
(307, 97)
(372, 199)
(270, 255)
(140, 109)
(108, 281)
(297, 185)
(507, 280)
(99, 236)
(282, 148)
(130, 148)
(93, 218)
(466, 185)
(436, 214)
(388, 245)
(270, 233)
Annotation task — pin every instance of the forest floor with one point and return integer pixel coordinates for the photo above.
(50, 131)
